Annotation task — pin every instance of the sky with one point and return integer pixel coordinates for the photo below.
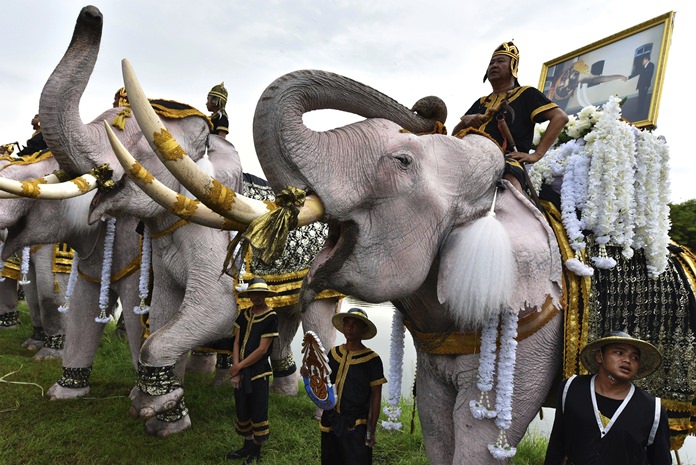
(406, 49)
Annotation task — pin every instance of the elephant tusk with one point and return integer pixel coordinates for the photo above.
(210, 191)
(40, 189)
(172, 201)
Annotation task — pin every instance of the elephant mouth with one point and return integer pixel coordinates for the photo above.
(338, 246)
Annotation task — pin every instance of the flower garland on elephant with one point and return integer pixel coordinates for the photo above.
(613, 181)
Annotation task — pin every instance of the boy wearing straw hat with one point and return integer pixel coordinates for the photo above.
(603, 418)
(254, 331)
(348, 430)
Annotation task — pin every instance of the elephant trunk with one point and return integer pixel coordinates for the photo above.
(64, 132)
(278, 119)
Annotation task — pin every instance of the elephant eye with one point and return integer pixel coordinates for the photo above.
(404, 160)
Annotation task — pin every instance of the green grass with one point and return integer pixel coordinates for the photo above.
(97, 429)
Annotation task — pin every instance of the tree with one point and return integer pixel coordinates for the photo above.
(683, 230)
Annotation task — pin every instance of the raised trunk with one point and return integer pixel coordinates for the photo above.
(278, 119)
(63, 130)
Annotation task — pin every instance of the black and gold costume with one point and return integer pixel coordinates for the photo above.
(35, 144)
(343, 428)
(220, 122)
(527, 103)
(591, 429)
(251, 397)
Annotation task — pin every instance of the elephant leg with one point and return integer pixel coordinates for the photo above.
(9, 314)
(160, 387)
(436, 397)
(51, 288)
(82, 336)
(285, 374)
(317, 318)
(31, 297)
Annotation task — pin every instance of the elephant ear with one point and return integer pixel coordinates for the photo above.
(509, 260)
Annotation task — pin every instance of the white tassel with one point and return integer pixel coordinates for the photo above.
(144, 281)
(106, 271)
(484, 256)
(72, 279)
(396, 362)
(24, 267)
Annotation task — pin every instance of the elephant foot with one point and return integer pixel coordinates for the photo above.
(32, 344)
(222, 377)
(58, 392)
(201, 362)
(46, 353)
(162, 429)
(286, 385)
(147, 406)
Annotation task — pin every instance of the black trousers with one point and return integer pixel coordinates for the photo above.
(252, 409)
(349, 449)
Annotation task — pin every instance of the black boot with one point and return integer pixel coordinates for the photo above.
(254, 455)
(243, 452)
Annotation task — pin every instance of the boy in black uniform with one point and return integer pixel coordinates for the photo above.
(254, 331)
(348, 430)
(604, 419)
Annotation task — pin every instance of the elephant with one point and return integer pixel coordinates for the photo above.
(408, 221)
(43, 292)
(193, 302)
(26, 220)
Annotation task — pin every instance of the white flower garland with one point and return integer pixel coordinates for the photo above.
(506, 373)
(608, 211)
(144, 280)
(652, 190)
(24, 267)
(618, 178)
(396, 355)
(573, 198)
(106, 271)
(481, 409)
(72, 279)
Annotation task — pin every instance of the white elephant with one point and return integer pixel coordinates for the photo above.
(33, 221)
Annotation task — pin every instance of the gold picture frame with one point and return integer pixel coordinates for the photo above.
(630, 64)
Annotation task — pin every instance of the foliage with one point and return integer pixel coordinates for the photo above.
(683, 217)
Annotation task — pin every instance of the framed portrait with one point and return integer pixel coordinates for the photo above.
(629, 64)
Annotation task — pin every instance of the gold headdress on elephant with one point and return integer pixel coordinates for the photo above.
(508, 49)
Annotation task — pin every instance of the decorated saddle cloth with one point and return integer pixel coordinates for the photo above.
(284, 275)
(165, 108)
(61, 261)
